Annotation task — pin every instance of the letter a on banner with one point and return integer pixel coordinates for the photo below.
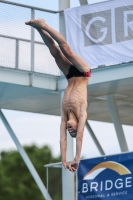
(102, 34)
(106, 178)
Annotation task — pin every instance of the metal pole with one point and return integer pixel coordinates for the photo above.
(25, 158)
(17, 54)
(64, 4)
(83, 2)
(32, 48)
(32, 40)
(27, 6)
(94, 138)
(47, 181)
(76, 177)
(67, 176)
(116, 120)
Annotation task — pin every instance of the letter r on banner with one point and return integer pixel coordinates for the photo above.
(127, 24)
(124, 23)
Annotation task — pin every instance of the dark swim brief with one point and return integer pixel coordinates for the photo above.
(74, 72)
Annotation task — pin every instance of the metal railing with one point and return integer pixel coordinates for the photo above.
(33, 13)
(17, 42)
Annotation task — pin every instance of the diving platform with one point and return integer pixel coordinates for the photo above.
(40, 93)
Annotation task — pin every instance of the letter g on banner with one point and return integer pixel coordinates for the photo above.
(104, 30)
(97, 28)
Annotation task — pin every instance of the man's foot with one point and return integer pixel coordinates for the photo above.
(36, 23)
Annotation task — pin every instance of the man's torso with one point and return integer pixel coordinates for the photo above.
(75, 95)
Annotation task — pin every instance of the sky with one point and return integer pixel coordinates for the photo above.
(42, 130)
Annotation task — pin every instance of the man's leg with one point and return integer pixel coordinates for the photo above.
(69, 54)
(60, 59)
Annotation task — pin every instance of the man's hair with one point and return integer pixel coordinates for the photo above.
(74, 133)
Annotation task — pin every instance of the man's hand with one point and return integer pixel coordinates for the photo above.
(73, 166)
(66, 165)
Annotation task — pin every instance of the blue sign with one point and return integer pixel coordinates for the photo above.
(106, 178)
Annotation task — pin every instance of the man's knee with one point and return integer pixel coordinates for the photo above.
(66, 50)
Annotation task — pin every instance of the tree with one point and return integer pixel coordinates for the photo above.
(16, 182)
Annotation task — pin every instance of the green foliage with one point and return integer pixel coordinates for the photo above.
(16, 182)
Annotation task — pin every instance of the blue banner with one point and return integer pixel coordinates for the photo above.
(106, 178)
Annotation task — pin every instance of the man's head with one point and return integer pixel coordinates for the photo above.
(72, 127)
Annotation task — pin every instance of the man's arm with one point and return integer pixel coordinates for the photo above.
(79, 137)
(82, 120)
(63, 142)
(63, 138)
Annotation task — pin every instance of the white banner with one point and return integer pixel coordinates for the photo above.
(102, 34)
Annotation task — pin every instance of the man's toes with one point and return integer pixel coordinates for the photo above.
(28, 22)
(33, 20)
